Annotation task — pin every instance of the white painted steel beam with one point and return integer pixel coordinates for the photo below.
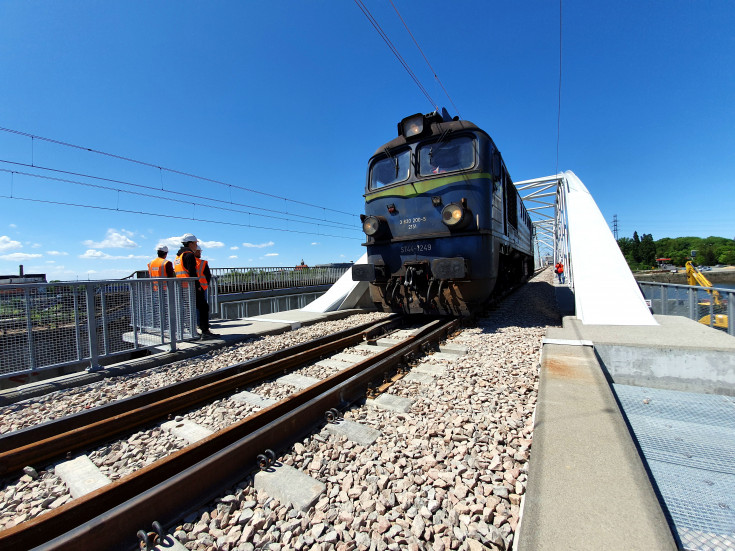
(605, 291)
(571, 226)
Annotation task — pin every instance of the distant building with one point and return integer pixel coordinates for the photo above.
(27, 278)
(22, 278)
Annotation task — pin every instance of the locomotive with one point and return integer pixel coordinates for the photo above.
(445, 227)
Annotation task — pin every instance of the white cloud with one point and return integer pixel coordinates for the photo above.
(233, 256)
(92, 253)
(315, 243)
(12, 226)
(211, 244)
(259, 246)
(234, 248)
(7, 244)
(57, 253)
(113, 240)
(50, 262)
(19, 256)
(272, 254)
(172, 242)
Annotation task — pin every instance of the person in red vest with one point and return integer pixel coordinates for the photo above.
(159, 266)
(185, 265)
(559, 269)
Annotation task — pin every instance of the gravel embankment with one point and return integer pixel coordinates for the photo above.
(449, 474)
(31, 495)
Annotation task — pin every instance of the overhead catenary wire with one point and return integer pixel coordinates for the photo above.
(152, 196)
(433, 72)
(159, 215)
(171, 170)
(558, 111)
(395, 51)
(155, 188)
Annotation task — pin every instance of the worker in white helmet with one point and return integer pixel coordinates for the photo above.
(185, 265)
(159, 266)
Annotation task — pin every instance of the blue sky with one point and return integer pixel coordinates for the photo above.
(290, 99)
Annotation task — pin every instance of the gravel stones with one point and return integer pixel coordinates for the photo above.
(448, 474)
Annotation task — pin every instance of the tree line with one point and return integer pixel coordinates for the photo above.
(641, 252)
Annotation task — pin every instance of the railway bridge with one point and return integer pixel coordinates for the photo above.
(633, 433)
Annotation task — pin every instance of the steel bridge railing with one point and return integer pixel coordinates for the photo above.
(693, 302)
(51, 325)
(242, 280)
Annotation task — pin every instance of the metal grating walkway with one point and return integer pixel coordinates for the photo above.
(688, 441)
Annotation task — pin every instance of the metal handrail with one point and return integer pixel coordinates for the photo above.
(691, 301)
(51, 325)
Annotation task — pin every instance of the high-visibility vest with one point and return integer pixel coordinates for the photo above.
(179, 267)
(201, 264)
(157, 268)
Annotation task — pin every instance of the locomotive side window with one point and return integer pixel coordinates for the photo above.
(447, 156)
(390, 170)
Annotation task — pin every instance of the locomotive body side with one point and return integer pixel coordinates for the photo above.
(439, 237)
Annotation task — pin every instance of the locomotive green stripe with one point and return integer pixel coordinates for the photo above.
(424, 186)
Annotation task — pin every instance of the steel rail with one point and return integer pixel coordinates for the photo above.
(55, 438)
(110, 517)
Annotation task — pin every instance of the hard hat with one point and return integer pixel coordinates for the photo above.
(162, 248)
(199, 248)
(188, 237)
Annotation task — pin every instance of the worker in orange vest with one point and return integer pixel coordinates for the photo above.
(559, 269)
(185, 265)
(159, 266)
(203, 273)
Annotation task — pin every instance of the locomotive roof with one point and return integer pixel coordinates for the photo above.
(436, 130)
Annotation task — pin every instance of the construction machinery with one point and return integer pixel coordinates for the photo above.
(695, 277)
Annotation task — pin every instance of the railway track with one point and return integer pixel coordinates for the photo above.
(111, 516)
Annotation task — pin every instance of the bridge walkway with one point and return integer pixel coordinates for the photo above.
(634, 437)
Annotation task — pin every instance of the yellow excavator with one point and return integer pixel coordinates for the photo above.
(695, 277)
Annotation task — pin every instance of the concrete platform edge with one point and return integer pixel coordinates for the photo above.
(588, 487)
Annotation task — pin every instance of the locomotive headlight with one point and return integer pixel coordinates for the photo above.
(411, 126)
(453, 215)
(371, 225)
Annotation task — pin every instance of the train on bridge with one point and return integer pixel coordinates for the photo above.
(445, 225)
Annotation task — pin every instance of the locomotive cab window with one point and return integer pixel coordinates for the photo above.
(391, 169)
(447, 156)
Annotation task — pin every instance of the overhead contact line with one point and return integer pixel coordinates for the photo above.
(171, 170)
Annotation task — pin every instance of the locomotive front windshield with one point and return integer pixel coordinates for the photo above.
(447, 156)
(392, 169)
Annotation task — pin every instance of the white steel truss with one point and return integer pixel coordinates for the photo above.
(569, 225)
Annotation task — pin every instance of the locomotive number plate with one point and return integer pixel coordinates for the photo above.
(412, 223)
(415, 248)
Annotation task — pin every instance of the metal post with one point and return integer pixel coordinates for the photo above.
(664, 300)
(29, 329)
(193, 308)
(105, 329)
(711, 310)
(692, 294)
(157, 295)
(731, 313)
(94, 354)
(133, 313)
(172, 326)
(77, 335)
